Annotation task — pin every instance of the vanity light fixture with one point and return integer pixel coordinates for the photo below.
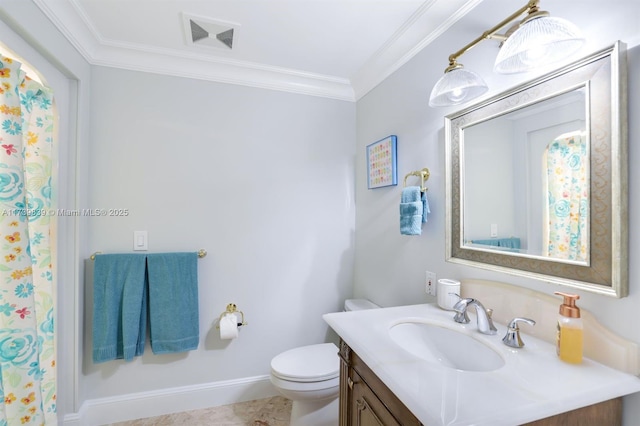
(456, 86)
(537, 40)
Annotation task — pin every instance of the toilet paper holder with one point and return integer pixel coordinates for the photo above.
(232, 309)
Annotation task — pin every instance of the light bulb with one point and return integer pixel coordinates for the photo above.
(457, 95)
(456, 86)
(537, 43)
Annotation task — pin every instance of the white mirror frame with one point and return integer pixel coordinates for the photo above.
(604, 75)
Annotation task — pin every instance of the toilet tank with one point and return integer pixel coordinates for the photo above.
(359, 305)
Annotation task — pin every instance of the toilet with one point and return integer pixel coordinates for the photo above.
(310, 377)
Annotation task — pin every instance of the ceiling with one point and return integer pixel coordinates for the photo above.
(338, 49)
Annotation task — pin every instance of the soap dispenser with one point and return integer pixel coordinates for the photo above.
(570, 330)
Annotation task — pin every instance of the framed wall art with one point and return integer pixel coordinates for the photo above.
(382, 163)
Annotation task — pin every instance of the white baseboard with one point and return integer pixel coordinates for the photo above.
(133, 406)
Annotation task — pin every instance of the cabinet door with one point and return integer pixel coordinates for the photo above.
(367, 409)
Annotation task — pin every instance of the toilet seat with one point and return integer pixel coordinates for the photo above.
(313, 363)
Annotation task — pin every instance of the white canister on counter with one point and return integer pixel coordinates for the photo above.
(444, 291)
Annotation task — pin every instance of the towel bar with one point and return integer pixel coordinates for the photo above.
(422, 174)
(201, 253)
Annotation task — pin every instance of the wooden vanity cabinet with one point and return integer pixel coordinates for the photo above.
(366, 401)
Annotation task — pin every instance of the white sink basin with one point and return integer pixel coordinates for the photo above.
(445, 347)
(450, 374)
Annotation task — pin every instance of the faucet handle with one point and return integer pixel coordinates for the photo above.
(455, 294)
(462, 317)
(492, 327)
(461, 314)
(512, 338)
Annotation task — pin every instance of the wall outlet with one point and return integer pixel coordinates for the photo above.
(431, 283)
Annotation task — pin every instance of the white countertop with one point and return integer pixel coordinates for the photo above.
(533, 383)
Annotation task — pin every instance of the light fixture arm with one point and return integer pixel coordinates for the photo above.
(530, 7)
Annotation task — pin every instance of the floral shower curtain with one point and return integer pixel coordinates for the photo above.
(27, 340)
(567, 183)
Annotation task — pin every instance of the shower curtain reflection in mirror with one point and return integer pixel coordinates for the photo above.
(27, 343)
(566, 213)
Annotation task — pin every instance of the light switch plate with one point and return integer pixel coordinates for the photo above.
(140, 241)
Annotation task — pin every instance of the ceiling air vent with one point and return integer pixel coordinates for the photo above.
(197, 32)
(209, 33)
(226, 37)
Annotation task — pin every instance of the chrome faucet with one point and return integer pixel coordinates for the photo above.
(485, 324)
(512, 338)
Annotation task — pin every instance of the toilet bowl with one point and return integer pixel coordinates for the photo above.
(310, 377)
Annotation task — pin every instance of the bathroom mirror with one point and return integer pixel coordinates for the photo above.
(537, 178)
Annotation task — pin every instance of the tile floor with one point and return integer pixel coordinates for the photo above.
(274, 411)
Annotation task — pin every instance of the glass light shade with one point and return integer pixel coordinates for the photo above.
(538, 42)
(455, 87)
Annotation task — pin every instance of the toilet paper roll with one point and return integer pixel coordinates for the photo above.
(229, 326)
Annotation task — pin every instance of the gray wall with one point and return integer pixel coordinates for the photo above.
(262, 180)
(390, 268)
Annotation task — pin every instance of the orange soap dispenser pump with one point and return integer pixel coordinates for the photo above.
(570, 330)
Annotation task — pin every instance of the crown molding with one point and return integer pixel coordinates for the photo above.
(77, 28)
(181, 64)
(432, 19)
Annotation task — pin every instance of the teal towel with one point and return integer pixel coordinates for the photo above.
(509, 243)
(119, 311)
(410, 194)
(411, 211)
(512, 242)
(173, 302)
(425, 207)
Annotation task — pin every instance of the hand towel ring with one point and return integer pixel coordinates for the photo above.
(422, 174)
